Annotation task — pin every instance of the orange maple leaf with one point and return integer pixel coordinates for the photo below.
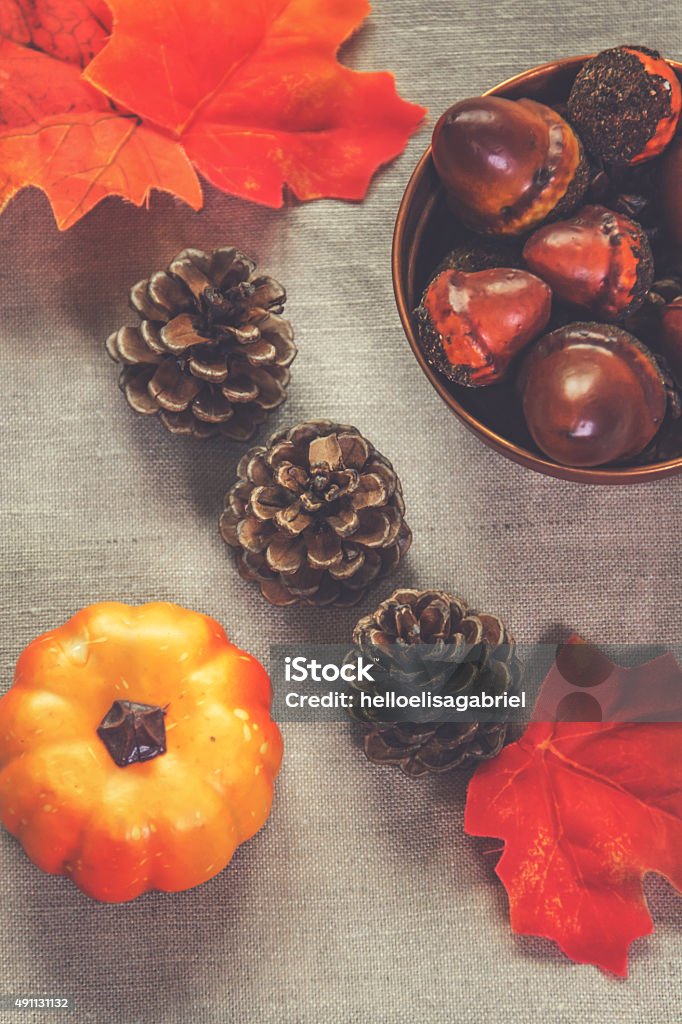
(59, 134)
(73, 30)
(254, 102)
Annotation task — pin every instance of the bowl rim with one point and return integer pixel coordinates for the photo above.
(595, 475)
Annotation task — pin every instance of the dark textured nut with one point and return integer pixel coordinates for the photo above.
(599, 260)
(670, 338)
(625, 103)
(592, 394)
(477, 253)
(508, 164)
(670, 190)
(472, 325)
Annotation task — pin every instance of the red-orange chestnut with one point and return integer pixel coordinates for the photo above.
(591, 394)
(508, 164)
(599, 260)
(472, 325)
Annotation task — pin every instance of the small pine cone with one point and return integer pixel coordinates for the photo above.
(427, 640)
(211, 353)
(316, 516)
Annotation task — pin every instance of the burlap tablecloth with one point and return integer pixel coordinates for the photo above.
(361, 900)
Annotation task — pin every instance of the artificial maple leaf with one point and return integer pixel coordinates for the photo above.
(72, 30)
(59, 134)
(256, 95)
(585, 809)
(255, 100)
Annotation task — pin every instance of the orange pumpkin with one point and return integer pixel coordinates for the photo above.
(136, 750)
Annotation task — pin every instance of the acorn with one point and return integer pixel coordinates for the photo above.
(507, 165)
(599, 260)
(670, 337)
(669, 183)
(475, 252)
(591, 394)
(472, 325)
(625, 103)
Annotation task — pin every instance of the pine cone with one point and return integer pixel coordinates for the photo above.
(210, 355)
(428, 640)
(316, 516)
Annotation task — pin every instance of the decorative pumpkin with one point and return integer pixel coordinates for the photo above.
(136, 750)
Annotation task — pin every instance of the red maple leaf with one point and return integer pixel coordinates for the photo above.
(253, 98)
(585, 809)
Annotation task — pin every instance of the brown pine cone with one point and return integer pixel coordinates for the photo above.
(316, 516)
(428, 640)
(211, 352)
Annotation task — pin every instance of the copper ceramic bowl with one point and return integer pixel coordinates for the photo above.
(425, 231)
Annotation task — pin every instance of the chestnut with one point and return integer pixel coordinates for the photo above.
(670, 338)
(591, 394)
(599, 260)
(625, 103)
(472, 325)
(508, 164)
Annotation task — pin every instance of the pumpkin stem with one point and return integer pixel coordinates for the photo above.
(133, 732)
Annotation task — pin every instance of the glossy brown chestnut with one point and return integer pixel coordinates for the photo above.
(472, 325)
(625, 103)
(670, 338)
(592, 394)
(599, 260)
(508, 164)
(670, 190)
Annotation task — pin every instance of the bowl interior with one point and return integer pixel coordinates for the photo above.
(426, 231)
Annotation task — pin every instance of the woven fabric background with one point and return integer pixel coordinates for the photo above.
(361, 900)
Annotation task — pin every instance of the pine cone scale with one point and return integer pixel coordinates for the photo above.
(127, 344)
(166, 293)
(377, 528)
(293, 519)
(267, 501)
(324, 549)
(188, 270)
(211, 367)
(150, 336)
(348, 565)
(345, 523)
(255, 535)
(135, 381)
(213, 407)
(262, 351)
(239, 386)
(180, 334)
(285, 554)
(171, 389)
